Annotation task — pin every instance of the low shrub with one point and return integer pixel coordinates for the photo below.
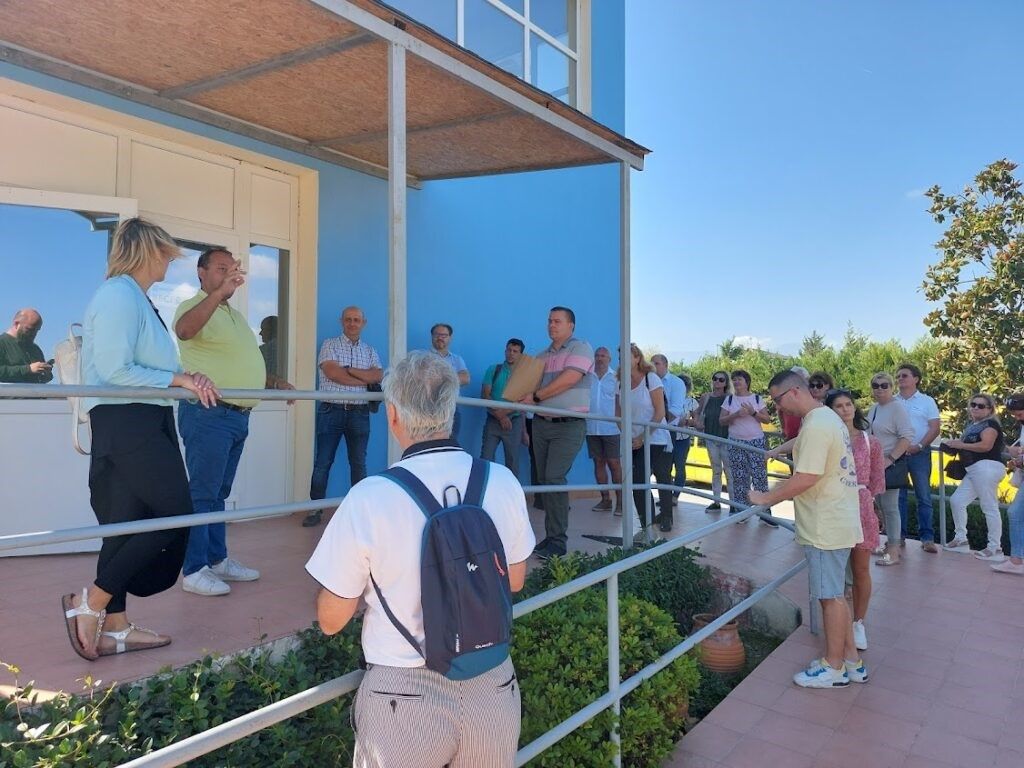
(561, 656)
(675, 582)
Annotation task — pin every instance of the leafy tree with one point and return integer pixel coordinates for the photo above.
(813, 345)
(978, 280)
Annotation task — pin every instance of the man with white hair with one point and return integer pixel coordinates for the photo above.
(371, 553)
(21, 359)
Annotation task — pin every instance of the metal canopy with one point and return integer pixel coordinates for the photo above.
(310, 76)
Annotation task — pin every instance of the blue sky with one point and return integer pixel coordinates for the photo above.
(792, 141)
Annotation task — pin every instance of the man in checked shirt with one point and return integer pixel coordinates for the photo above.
(346, 365)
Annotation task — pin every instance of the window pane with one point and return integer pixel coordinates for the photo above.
(494, 35)
(439, 15)
(557, 18)
(553, 71)
(268, 305)
(180, 283)
(515, 5)
(53, 261)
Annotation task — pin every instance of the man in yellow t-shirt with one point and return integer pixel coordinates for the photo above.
(824, 492)
(215, 338)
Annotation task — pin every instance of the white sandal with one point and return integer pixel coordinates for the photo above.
(71, 614)
(121, 641)
(886, 559)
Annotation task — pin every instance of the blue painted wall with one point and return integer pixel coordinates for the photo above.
(489, 255)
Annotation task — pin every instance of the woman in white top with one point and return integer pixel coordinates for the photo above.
(647, 398)
(744, 413)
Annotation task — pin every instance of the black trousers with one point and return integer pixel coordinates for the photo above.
(533, 459)
(136, 473)
(661, 464)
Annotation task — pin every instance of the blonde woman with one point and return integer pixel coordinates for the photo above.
(889, 421)
(647, 396)
(981, 452)
(135, 470)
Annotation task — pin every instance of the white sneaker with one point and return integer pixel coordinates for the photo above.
(203, 582)
(229, 569)
(856, 671)
(990, 555)
(1008, 566)
(820, 675)
(860, 635)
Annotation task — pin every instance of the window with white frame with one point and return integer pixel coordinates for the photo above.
(536, 40)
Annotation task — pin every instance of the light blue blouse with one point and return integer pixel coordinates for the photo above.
(125, 344)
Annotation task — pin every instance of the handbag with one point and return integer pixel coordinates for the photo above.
(955, 470)
(897, 475)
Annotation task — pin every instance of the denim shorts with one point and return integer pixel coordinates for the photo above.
(826, 571)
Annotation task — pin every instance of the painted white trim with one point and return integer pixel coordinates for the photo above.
(124, 207)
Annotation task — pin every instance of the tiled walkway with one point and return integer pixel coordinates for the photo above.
(946, 638)
(946, 634)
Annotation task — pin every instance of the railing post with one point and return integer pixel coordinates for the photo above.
(613, 662)
(648, 521)
(942, 498)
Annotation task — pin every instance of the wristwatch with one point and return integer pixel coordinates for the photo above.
(535, 398)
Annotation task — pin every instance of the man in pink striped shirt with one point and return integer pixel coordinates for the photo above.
(557, 439)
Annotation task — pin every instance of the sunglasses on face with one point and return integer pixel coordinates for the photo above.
(719, 379)
(817, 385)
(979, 405)
(879, 384)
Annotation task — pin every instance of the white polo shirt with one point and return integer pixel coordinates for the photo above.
(675, 396)
(379, 528)
(602, 401)
(921, 409)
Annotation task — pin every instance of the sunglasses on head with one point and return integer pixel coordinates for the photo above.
(980, 405)
(879, 384)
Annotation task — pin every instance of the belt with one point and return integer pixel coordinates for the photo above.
(559, 419)
(350, 406)
(233, 407)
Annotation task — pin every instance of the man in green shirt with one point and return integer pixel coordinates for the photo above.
(502, 425)
(21, 359)
(216, 338)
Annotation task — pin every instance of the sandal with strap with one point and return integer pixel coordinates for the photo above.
(122, 645)
(71, 614)
(886, 559)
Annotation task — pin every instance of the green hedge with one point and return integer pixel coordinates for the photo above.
(560, 654)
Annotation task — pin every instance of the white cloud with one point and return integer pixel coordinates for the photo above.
(911, 194)
(753, 342)
(262, 267)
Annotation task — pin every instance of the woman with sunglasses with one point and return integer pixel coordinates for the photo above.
(707, 421)
(820, 385)
(981, 451)
(889, 422)
(647, 396)
(744, 413)
(867, 458)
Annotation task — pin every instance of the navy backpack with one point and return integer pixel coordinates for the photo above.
(465, 592)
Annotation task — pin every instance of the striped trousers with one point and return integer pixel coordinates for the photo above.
(748, 469)
(405, 717)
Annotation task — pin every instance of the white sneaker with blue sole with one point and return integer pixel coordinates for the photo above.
(857, 671)
(821, 675)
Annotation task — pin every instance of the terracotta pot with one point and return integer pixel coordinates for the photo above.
(723, 651)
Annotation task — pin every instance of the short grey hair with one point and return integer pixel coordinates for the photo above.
(422, 387)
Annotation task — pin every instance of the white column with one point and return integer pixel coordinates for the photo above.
(397, 271)
(626, 440)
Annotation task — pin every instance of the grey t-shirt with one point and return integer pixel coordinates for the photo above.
(890, 423)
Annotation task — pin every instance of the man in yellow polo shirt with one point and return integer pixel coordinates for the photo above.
(216, 338)
(823, 487)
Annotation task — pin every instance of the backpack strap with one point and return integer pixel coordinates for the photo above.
(394, 619)
(477, 484)
(415, 488)
(494, 376)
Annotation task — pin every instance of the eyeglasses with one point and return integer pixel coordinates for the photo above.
(817, 385)
(980, 405)
(719, 379)
(778, 398)
(879, 384)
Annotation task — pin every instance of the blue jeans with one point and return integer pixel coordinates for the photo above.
(1015, 517)
(920, 466)
(333, 422)
(214, 438)
(680, 450)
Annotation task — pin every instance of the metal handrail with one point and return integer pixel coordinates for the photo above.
(233, 730)
(226, 733)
